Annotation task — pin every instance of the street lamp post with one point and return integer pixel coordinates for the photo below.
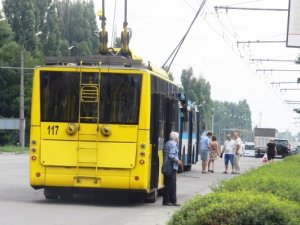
(22, 116)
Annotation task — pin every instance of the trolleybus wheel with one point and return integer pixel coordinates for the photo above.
(161, 191)
(50, 194)
(151, 197)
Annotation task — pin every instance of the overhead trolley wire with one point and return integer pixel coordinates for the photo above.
(177, 48)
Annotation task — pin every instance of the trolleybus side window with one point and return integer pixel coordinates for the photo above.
(120, 98)
(59, 96)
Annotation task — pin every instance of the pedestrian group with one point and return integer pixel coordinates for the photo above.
(232, 151)
(209, 151)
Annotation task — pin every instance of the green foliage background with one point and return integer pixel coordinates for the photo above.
(63, 24)
(219, 116)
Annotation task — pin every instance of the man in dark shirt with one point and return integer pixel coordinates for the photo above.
(271, 150)
(170, 159)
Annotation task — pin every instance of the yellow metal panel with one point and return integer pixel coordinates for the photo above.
(59, 180)
(35, 99)
(121, 133)
(145, 102)
(110, 155)
(56, 131)
(87, 152)
(116, 155)
(88, 132)
(58, 153)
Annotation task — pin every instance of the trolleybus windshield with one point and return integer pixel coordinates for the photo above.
(119, 97)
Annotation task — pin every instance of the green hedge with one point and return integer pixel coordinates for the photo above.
(239, 208)
(263, 196)
(280, 179)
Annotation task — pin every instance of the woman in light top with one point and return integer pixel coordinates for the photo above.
(213, 145)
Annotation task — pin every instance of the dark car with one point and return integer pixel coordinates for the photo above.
(283, 147)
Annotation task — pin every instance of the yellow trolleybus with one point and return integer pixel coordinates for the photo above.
(100, 122)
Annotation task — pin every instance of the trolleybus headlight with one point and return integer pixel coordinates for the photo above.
(72, 128)
(106, 130)
(38, 174)
(33, 150)
(33, 157)
(142, 161)
(142, 153)
(142, 146)
(33, 142)
(136, 178)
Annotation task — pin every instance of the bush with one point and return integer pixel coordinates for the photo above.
(264, 196)
(242, 207)
(280, 179)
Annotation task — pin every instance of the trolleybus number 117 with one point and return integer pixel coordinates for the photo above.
(52, 130)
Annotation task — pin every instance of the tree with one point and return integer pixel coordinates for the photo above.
(21, 16)
(9, 80)
(52, 36)
(77, 24)
(197, 90)
(229, 117)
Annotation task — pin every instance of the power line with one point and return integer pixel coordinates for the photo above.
(284, 82)
(292, 102)
(290, 89)
(177, 48)
(276, 70)
(273, 60)
(247, 8)
(259, 42)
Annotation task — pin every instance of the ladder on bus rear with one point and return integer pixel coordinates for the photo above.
(87, 143)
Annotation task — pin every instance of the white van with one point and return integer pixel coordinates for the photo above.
(249, 149)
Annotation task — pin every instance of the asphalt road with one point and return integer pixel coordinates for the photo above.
(21, 205)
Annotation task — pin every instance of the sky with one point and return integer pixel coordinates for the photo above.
(212, 51)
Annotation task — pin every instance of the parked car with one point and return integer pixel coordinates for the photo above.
(283, 147)
(249, 149)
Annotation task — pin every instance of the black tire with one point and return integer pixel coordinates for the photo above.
(161, 191)
(50, 194)
(151, 197)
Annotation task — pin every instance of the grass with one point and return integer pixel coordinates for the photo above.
(13, 149)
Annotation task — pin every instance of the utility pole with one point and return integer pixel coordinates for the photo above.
(22, 117)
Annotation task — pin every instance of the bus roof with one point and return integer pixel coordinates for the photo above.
(112, 61)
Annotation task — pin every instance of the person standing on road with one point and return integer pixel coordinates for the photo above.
(205, 149)
(271, 151)
(171, 160)
(228, 151)
(213, 154)
(237, 152)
